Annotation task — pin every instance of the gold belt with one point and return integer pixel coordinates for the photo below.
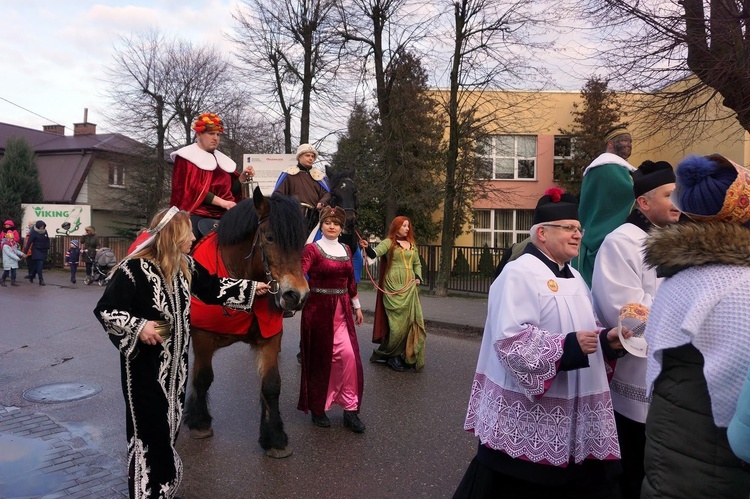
(329, 291)
(163, 329)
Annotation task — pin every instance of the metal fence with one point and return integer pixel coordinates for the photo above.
(472, 268)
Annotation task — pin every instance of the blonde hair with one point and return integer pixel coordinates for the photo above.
(166, 250)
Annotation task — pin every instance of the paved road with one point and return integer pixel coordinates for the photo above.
(414, 445)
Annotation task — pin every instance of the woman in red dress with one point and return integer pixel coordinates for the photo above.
(331, 366)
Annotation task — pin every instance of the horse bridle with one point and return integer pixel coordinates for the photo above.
(273, 284)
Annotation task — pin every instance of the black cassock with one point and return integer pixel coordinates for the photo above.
(154, 376)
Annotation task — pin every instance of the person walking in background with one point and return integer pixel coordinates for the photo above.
(399, 322)
(29, 261)
(540, 402)
(72, 256)
(39, 245)
(606, 196)
(331, 366)
(11, 256)
(10, 226)
(145, 310)
(621, 278)
(698, 335)
(90, 245)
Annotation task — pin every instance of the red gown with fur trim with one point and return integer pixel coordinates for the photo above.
(191, 185)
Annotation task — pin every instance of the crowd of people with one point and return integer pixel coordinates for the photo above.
(146, 304)
(615, 356)
(626, 377)
(35, 247)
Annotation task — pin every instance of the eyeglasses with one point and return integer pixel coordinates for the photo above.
(568, 228)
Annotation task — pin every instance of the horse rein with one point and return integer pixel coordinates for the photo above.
(375, 285)
(273, 284)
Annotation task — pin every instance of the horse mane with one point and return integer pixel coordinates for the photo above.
(287, 223)
(287, 227)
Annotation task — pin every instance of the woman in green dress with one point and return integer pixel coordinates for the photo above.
(399, 322)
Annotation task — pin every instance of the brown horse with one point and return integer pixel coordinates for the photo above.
(259, 239)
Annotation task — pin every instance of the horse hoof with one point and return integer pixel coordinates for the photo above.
(197, 433)
(279, 453)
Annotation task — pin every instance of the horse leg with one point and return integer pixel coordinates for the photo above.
(197, 416)
(272, 436)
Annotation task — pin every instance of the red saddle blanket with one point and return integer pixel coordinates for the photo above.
(219, 319)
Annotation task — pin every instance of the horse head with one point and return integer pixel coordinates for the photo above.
(262, 239)
(344, 194)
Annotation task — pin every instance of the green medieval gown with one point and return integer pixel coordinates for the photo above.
(405, 335)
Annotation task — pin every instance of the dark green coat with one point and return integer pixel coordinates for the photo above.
(679, 464)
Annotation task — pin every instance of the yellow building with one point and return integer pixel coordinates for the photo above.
(526, 144)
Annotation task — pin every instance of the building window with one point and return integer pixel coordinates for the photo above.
(564, 146)
(508, 157)
(501, 228)
(116, 175)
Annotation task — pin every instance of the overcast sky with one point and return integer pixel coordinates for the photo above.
(52, 52)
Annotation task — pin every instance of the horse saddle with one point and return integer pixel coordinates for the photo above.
(206, 225)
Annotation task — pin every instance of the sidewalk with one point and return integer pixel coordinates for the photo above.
(467, 314)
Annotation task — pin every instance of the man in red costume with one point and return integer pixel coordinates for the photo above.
(205, 182)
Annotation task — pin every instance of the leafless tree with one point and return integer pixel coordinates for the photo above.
(491, 45)
(140, 83)
(248, 132)
(690, 56)
(157, 87)
(376, 33)
(286, 46)
(202, 81)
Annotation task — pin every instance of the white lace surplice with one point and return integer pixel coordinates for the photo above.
(530, 313)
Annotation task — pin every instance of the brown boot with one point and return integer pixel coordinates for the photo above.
(13, 283)
(2, 283)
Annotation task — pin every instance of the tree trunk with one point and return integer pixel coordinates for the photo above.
(447, 240)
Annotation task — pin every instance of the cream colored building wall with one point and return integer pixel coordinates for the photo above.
(543, 114)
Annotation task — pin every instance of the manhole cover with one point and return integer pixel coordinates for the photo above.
(61, 392)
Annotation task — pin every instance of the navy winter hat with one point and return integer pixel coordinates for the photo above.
(555, 205)
(651, 175)
(713, 188)
(40, 224)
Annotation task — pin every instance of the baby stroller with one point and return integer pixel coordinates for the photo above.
(103, 262)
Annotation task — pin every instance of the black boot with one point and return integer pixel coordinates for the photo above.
(29, 277)
(12, 283)
(351, 420)
(2, 283)
(396, 363)
(321, 421)
(41, 282)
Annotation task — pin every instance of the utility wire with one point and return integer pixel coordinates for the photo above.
(32, 112)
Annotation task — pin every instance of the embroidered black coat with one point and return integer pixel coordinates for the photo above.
(154, 376)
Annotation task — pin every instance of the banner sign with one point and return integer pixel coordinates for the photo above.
(268, 167)
(61, 219)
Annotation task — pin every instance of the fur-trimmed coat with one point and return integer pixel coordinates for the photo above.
(699, 353)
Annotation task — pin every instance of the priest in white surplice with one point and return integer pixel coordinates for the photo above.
(540, 402)
(621, 277)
